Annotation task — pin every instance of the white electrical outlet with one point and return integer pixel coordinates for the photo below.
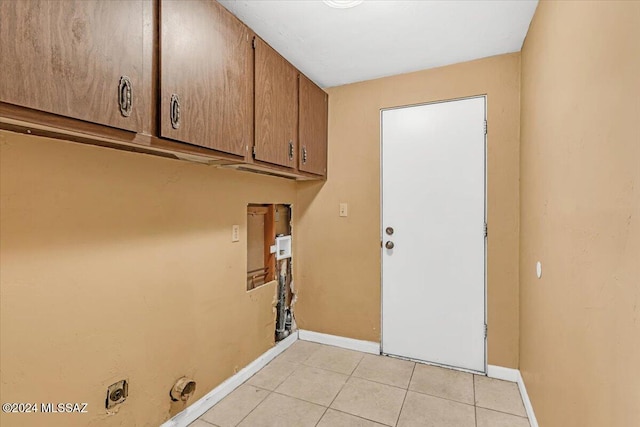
(235, 233)
(343, 209)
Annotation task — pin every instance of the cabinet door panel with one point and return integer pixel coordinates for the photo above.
(67, 58)
(206, 60)
(312, 128)
(276, 107)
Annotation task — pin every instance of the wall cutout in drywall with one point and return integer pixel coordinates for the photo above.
(261, 235)
(269, 255)
(283, 252)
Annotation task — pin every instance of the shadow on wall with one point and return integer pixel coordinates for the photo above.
(307, 192)
(120, 266)
(60, 194)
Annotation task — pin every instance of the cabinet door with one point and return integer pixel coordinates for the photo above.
(276, 107)
(68, 58)
(206, 76)
(312, 128)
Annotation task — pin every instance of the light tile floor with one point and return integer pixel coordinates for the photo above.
(317, 385)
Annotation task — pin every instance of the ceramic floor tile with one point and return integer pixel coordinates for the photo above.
(272, 375)
(422, 410)
(488, 418)
(299, 351)
(441, 382)
(237, 405)
(313, 385)
(308, 376)
(200, 423)
(283, 411)
(339, 419)
(335, 359)
(503, 396)
(386, 370)
(370, 400)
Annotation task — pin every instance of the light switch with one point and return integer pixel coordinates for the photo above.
(235, 233)
(343, 209)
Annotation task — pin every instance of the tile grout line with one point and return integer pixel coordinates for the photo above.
(360, 417)
(251, 411)
(357, 364)
(390, 385)
(297, 365)
(264, 388)
(502, 412)
(358, 377)
(270, 391)
(274, 391)
(475, 408)
(474, 391)
(204, 421)
(297, 398)
(406, 392)
(339, 391)
(331, 370)
(242, 419)
(442, 398)
(325, 369)
(254, 408)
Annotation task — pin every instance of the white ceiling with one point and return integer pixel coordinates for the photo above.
(384, 37)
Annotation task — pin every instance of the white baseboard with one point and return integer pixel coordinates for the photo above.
(193, 412)
(514, 375)
(527, 403)
(501, 373)
(334, 340)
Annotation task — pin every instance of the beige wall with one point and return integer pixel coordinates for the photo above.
(118, 265)
(580, 192)
(338, 263)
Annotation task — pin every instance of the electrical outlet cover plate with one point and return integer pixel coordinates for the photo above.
(117, 393)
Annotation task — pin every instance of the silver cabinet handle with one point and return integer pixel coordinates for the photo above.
(389, 245)
(174, 111)
(125, 96)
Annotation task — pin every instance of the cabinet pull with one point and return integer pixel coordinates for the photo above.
(304, 155)
(125, 98)
(174, 111)
(290, 150)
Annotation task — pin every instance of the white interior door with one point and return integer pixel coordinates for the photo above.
(433, 196)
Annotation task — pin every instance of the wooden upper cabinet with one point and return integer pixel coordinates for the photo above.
(276, 107)
(312, 128)
(80, 59)
(206, 79)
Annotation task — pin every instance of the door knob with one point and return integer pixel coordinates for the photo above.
(389, 245)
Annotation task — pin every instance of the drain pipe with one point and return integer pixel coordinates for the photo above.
(281, 330)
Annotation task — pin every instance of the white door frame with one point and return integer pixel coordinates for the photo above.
(484, 96)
